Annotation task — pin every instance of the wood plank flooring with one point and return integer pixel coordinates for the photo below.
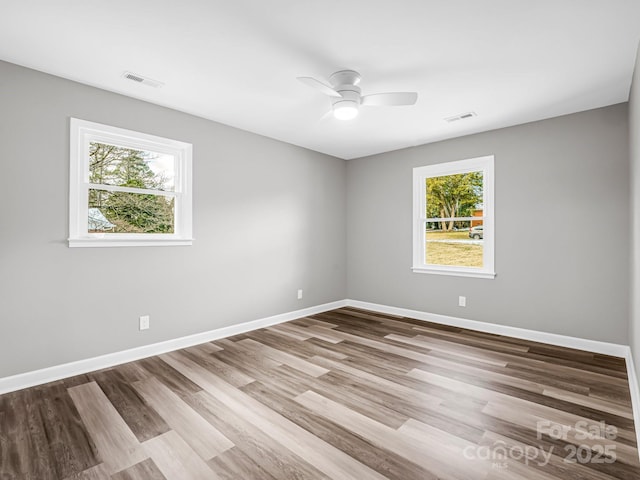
(347, 394)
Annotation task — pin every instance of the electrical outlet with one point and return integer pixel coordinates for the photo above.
(144, 322)
(300, 294)
(462, 301)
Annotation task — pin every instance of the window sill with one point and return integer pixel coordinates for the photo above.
(473, 273)
(128, 242)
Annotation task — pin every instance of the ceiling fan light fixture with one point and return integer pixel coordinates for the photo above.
(345, 110)
(346, 96)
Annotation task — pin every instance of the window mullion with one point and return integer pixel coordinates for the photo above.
(141, 191)
(452, 219)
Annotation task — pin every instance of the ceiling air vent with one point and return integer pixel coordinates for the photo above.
(134, 77)
(462, 116)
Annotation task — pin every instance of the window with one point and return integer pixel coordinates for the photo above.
(127, 188)
(453, 218)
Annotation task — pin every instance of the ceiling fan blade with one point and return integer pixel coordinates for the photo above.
(317, 84)
(390, 99)
(328, 115)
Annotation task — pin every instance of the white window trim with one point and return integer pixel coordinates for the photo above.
(82, 133)
(420, 174)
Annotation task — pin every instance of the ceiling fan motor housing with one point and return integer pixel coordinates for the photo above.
(345, 83)
(346, 107)
(350, 93)
(345, 77)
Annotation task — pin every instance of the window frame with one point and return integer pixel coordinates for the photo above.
(82, 133)
(484, 164)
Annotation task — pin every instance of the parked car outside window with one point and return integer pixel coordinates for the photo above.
(476, 232)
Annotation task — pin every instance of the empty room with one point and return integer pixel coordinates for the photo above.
(269, 240)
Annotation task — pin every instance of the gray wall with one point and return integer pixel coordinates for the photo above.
(562, 228)
(634, 146)
(268, 219)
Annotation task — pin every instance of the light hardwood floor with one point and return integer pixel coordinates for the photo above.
(347, 394)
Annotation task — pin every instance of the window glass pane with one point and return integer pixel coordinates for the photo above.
(450, 242)
(127, 167)
(456, 195)
(121, 212)
(461, 245)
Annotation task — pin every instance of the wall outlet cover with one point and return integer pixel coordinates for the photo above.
(144, 322)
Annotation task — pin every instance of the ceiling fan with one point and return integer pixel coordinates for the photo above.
(346, 98)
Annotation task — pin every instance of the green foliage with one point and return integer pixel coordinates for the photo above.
(129, 212)
(452, 196)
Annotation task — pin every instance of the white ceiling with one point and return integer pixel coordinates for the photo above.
(236, 61)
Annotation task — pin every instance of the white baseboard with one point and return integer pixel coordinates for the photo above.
(50, 374)
(634, 388)
(594, 346)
